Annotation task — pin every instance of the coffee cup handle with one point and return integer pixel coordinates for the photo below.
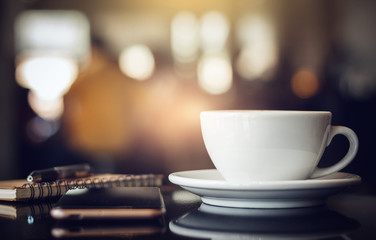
(353, 149)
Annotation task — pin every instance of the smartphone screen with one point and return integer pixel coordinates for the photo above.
(110, 203)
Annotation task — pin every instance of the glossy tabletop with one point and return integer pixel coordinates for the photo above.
(347, 215)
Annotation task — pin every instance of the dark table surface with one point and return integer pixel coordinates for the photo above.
(347, 215)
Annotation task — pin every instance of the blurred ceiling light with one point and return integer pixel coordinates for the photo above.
(215, 74)
(214, 32)
(305, 84)
(137, 62)
(51, 45)
(47, 109)
(63, 32)
(49, 77)
(258, 55)
(184, 37)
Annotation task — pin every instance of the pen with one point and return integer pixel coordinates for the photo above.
(63, 172)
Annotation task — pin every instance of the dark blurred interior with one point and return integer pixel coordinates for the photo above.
(142, 115)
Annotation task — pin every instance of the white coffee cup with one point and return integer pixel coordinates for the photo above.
(253, 145)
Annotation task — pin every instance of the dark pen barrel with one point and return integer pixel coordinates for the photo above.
(43, 175)
(63, 172)
(73, 171)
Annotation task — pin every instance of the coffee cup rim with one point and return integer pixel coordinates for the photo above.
(266, 112)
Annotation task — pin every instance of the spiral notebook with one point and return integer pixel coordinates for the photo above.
(21, 190)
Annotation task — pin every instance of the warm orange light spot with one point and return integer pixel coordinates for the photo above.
(99, 107)
(304, 84)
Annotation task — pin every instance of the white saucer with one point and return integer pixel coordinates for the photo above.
(214, 190)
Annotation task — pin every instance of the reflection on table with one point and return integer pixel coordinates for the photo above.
(230, 223)
(118, 228)
(349, 215)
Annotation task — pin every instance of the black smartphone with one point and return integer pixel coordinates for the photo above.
(110, 203)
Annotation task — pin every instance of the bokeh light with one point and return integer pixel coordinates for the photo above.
(48, 109)
(214, 31)
(305, 84)
(358, 82)
(63, 32)
(184, 37)
(49, 77)
(39, 129)
(258, 49)
(137, 62)
(215, 74)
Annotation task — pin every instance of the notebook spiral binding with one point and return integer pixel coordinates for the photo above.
(59, 187)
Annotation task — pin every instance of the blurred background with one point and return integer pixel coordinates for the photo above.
(120, 83)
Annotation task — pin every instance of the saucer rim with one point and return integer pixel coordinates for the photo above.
(182, 178)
